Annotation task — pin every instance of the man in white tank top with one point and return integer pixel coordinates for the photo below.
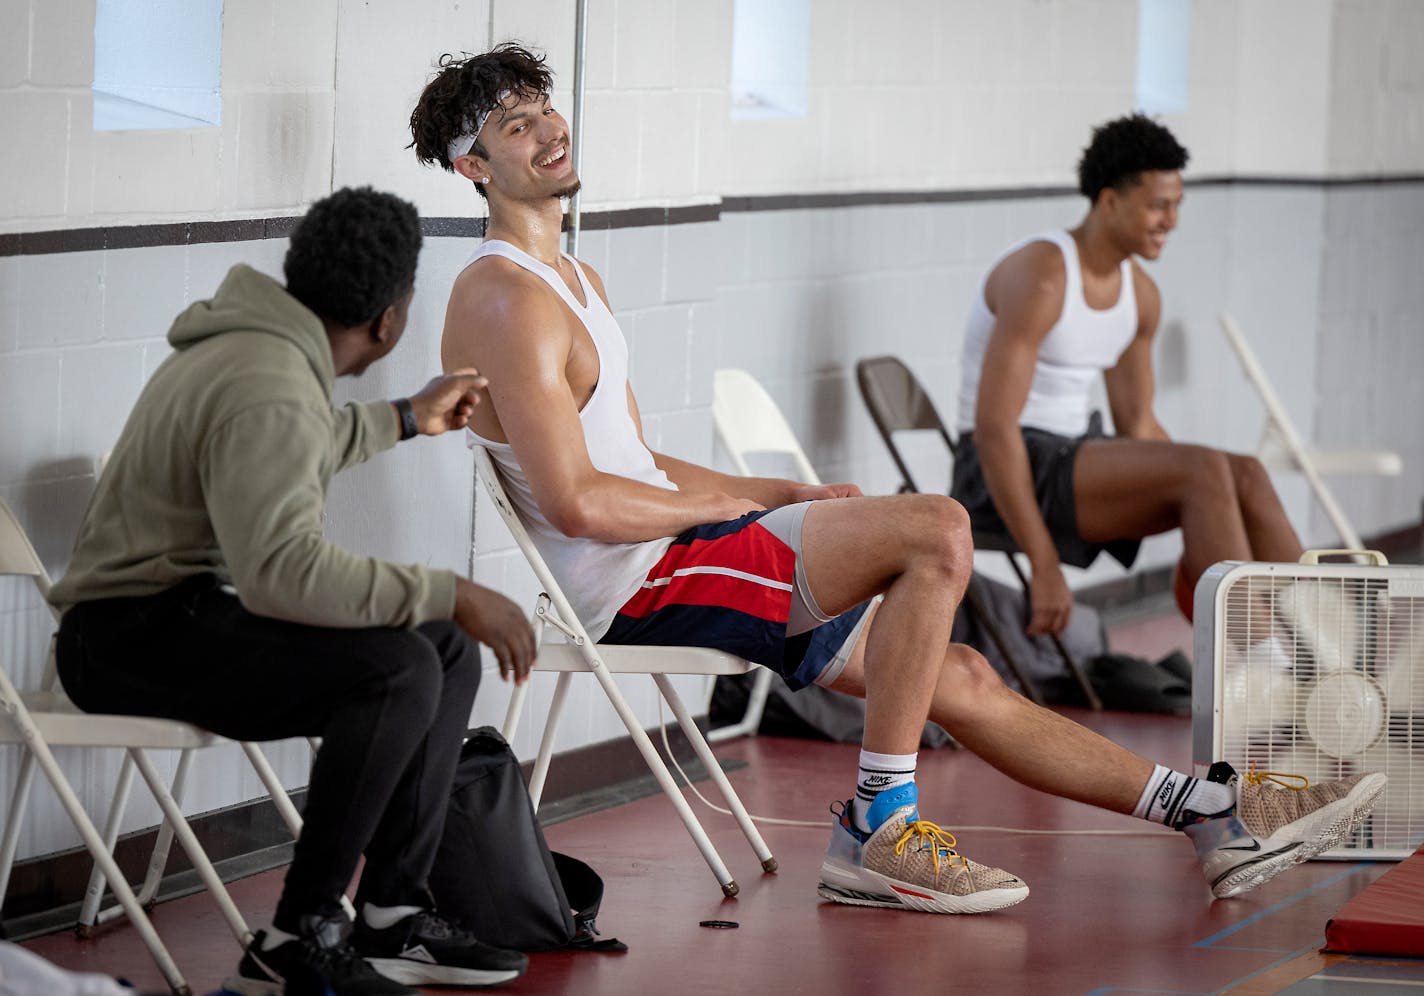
(535, 323)
(1054, 312)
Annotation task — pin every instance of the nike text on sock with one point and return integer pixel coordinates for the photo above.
(1175, 799)
(878, 773)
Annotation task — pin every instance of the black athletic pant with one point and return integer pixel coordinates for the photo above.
(391, 707)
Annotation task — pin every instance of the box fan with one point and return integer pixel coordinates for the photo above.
(1317, 669)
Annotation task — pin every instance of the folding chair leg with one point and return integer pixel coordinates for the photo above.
(90, 914)
(89, 911)
(751, 719)
(664, 778)
(715, 772)
(189, 840)
(546, 742)
(95, 844)
(1079, 675)
(1074, 666)
(511, 714)
(986, 621)
(274, 787)
(24, 777)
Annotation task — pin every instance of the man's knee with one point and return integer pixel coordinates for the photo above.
(458, 652)
(938, 525)
(405, 668)
(1209, 475)
(971, 669)
(946, 539)
(1250, 478)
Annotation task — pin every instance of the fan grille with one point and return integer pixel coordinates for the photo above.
(1321, 673)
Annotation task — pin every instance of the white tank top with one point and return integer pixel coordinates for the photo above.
(597, 577)
(1081, 345)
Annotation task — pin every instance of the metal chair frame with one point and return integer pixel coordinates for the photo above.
(898, 403)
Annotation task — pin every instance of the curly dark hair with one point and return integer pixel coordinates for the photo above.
(1122, 150)
(353, 255)
(467, 86)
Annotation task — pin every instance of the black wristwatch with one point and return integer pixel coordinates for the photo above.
(409, 429)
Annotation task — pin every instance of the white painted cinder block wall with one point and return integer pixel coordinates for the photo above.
(905, 95)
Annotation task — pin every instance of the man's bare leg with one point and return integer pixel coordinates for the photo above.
(1269, 532)
(916, 549)
(1030, 744)
(1224, 503)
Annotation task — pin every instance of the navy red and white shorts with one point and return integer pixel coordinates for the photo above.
(738, 587)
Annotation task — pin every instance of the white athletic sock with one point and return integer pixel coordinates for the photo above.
(382, 917)
(1169, 795)
(878, 772)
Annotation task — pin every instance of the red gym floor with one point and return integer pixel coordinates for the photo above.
(1108, 914)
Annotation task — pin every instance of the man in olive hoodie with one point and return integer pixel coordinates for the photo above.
(202, 589)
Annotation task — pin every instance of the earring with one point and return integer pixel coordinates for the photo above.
(484, 179)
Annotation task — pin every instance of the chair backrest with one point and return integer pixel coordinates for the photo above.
(19, 559)
(1282, 431)
(747, 420)
(488, 474)
(897, 403)
(17, 556)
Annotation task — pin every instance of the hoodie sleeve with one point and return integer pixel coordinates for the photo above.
(264, 482)
(363, 430)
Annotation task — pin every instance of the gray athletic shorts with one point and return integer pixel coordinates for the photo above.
(1050, 458)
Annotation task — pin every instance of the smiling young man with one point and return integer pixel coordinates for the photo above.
(655, 550)
(1055, 311)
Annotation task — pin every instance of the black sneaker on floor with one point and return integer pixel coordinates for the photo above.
(320, 962)
(425, 949)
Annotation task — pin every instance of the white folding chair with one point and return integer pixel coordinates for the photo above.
(1282, 448)
(44, 718)
(581, 655)
(748, 421)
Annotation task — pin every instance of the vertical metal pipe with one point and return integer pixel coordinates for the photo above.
(580, 56)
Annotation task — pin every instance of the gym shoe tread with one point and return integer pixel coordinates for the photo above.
(1279, 820)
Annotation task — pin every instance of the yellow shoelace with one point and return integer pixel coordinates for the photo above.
(940, 841)
(1296, 783)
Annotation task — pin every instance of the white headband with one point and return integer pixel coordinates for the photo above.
(464, 143)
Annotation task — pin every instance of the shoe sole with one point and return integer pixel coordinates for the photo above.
(416, 973)
(237, 985)
(1245, 877)
(839, 885)
(1329, 825)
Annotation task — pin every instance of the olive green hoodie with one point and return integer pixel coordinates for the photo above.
(223, 468)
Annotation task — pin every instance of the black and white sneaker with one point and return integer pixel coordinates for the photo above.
(425, 949)
(320, 962)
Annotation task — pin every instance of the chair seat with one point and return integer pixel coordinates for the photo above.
(63, 724)
(629, 659)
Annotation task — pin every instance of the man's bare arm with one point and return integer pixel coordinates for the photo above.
(1025, 292)
(767, 492)
(519, 334)
(1130, 383)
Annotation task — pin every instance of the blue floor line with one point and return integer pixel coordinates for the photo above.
(1285, 960)
(1277, 907)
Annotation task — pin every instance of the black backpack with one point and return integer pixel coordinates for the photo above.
(494, 873)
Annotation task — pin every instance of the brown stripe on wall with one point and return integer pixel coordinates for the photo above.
(250, 229)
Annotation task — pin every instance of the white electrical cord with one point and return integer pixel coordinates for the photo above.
(1151, 830)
